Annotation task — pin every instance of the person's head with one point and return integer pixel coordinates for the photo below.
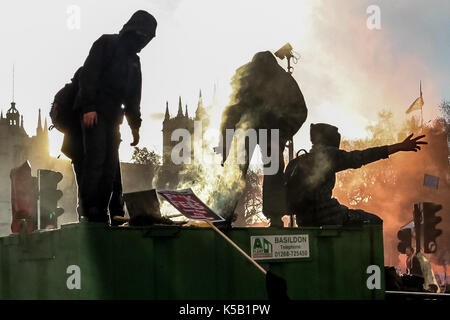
(138, 31)
(325, 134)
(409, 251)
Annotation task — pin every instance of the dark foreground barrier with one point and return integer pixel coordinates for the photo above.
(92, 261)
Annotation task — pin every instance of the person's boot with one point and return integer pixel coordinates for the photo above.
(116, 210)
(93, 215)
(117, 220)
(276, 222)
(116, 216)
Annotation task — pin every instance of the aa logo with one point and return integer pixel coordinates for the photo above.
(262, 248)
(374, 279)
(74, 280)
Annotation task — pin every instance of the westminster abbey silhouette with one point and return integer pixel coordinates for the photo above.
(169, 173)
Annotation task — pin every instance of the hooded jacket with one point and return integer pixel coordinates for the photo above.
(320, 208)
(111, 75)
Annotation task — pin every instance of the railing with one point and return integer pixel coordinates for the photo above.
(407, 295)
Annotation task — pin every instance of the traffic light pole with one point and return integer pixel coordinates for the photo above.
(48, 196)
(38, 200)
(418, 225)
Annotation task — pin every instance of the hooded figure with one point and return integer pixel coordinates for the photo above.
(325, 134)
(315, 176)
(265, 96)
(317, 206)
(109, 88)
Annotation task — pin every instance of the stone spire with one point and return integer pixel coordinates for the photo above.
(167, 115)
(13, 84)
(180, 108)
(45, 127)
(186, 112)
(200, 100)
(200, 112)
(39, 127)
(21, 120)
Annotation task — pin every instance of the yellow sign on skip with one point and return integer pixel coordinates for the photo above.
(280, 247)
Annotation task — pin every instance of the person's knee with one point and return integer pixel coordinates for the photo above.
(374, 219)
(360, 216)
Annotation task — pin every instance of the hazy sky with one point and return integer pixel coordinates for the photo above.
(347, 72)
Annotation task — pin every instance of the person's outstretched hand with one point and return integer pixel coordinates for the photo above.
(136, 137)
(412, 144)
(409, 144)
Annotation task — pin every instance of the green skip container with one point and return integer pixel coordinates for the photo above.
(93, 261)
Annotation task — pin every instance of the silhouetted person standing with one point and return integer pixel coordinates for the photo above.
(109, 89)
(413, 280)
(264, 97)
(412, 263)
(311, 177)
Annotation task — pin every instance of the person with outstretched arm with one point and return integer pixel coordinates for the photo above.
(311, 177)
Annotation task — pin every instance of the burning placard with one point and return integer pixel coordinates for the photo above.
(190, 205)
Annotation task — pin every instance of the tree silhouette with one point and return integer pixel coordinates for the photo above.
(249, 208)
(143, 156)
(389, 188)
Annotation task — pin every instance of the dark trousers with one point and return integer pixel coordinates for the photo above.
(357, 216)
(351, 217)
(98, 172)
(116, 203)
(274, 191)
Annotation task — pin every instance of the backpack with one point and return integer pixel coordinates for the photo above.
(64, 117)
(296, 177)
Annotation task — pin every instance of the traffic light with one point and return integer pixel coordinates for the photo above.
(23, 198)
(48, 198)
(404, 235)
(430, 220)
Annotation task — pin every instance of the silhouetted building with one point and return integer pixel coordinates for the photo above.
(16, 147)
(168, 176)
